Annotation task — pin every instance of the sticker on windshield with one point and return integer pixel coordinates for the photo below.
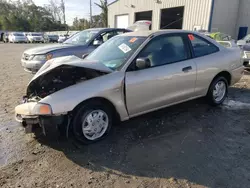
(133, 40)
(125, 48)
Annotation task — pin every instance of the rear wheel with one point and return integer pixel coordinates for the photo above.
(217, 91)
(92, 122)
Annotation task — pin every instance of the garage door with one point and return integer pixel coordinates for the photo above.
(121, 21)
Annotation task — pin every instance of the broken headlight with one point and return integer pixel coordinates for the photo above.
(42, 109)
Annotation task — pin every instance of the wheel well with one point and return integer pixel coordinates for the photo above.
(226, 75)
(102, 101)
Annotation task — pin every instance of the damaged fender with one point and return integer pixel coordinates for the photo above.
(113, 90)
(65, 82)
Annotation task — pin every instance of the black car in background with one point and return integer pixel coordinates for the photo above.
(51, 38)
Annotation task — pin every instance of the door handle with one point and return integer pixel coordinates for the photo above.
(186, 69)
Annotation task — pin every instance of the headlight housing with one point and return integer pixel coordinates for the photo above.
(42, 109)
(45, 57)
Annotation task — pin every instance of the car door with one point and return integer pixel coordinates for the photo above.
(208, 59)
(170, 78)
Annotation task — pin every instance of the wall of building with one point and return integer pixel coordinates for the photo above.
(243, 16)
(225, 15)
(196, 12)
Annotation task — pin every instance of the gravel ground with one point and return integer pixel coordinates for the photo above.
(187, 145)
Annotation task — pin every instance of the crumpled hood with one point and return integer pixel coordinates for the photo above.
(48, 48)
(63, 72)
(71, 61)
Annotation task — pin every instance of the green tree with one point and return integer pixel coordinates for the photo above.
(80, 24)
(103, 5)
(97, 21)
(26, 16)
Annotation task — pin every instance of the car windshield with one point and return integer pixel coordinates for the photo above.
(36, 35)
(81, 38)
(115, 52)
(18, 34)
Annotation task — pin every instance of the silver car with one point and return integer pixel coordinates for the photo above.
(129, 75)
(35, 37)
(17, 38)
(244, 41)
(246, 55)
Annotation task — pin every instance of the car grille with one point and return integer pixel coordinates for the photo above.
(26, 56)
(247, 54)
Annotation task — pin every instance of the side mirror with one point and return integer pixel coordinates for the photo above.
(142, 63)
(84, 56)
(97, 42)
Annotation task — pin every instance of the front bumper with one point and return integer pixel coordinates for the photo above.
(20, 40)
(53, 40)
(24, 111)
(32, 66)
(48, 124)
(37, 40)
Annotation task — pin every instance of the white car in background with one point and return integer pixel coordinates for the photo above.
(35, 37)
(142, 25)
(62, 38)
(17, 38)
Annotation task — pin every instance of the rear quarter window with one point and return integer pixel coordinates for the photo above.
(202, 47)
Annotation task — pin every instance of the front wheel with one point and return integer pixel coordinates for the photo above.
(92, 122)
(217, 91)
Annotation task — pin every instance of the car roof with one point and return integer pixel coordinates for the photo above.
(156, 32)
(103, 29)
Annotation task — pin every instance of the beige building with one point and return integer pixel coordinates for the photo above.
(227, 16)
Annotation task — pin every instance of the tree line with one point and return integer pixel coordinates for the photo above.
(96, 20)
(24, 15)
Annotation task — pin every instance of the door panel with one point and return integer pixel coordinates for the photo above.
(159, 86)
(208, 59)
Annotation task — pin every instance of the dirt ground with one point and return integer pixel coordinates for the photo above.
(189, 145)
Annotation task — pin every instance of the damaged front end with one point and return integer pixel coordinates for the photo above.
(33, 114)
(53, 77)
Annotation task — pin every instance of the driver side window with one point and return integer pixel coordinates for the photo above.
(104, 37)
(164, 50)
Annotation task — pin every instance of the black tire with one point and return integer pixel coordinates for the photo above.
(80, 116)
(210, 96)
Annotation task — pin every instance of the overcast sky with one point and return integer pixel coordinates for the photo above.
(75, 8)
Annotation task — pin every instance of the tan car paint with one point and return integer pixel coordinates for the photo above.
(25, 109)
(153, 88)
